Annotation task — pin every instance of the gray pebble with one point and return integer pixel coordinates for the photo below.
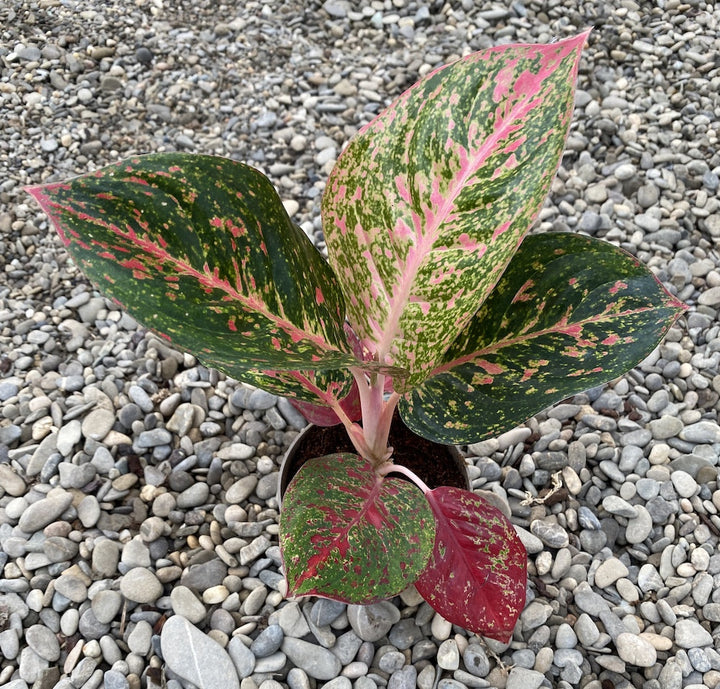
(372, 622)
(242, 657)
(268, 641)
(140, 585)
(476, 661)
(405, 678)
(316, 661)
(207, 667)
(44, 511)
(550, 533)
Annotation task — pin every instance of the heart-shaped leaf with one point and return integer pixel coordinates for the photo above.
(477, 575)
(569, 313)
(426, 206)
(351, 535)
(201, 250)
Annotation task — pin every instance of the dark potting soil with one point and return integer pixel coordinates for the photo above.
(432, 462)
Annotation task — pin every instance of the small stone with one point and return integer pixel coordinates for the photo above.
(391, 661)
(112, 679)
(141, 585)
(317, 661)
(476, 661)
(691, 634)
(44, 511)
(586, 630)
(702, 432)
(372, 622)
(639, 528)
(609, 572)
(685, 485)
(242, 657)
(665, 427)
(588, 600)
(636, 650)
(105, 557)
(625, 171)
(523, 678)
(614, 504)
(43, 642)
(194, 496)
(106, 605)
(186, 604)
(89, 511)
(448, 656)
(325, 611)
(208, 666)
(565, 636)
(550, 533)
(140, 638)
(268, 641)
(97, 424)
(241, 490)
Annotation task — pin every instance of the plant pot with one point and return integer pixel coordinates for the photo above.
(436, 464)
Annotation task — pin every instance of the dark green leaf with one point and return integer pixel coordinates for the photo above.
(201, 250)
(569, 313)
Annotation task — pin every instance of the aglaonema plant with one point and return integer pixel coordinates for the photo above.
(433, 302)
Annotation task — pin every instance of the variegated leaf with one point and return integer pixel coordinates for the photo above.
(426, 206)
(570, 312)
(477, 575)
(315, 391)
(350, 535)
(201, 250)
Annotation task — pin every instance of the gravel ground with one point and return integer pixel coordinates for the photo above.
(138, 523)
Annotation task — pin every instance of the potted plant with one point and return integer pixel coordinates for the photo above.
(433, 303)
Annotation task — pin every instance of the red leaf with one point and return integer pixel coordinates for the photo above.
(477, 574)
(321, 415)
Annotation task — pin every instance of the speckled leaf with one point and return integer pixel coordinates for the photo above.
(476, 577)
(350, 535)
(201, 250)
(435, 194)
(314, 390)
(571, 312)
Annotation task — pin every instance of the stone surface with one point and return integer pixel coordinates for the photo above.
(195, 657)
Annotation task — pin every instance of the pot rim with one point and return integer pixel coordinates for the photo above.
(453, 451)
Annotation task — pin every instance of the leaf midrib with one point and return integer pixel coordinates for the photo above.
(409, 277)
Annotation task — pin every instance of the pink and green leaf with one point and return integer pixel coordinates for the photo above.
(426, 206)
(350, 535)
(201, 250)
(477, 575)
(569, 313)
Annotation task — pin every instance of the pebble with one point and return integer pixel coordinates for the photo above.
(635, 650)
(524, 678)
(609, 572)
(372, 622)
(316, 661)
(448, 656)
(140, 585)
(691, 634)
(207, 667)
(44, 511)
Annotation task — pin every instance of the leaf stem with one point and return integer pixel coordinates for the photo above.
(390, 468)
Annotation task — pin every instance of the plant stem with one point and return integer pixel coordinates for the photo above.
(377, 414)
